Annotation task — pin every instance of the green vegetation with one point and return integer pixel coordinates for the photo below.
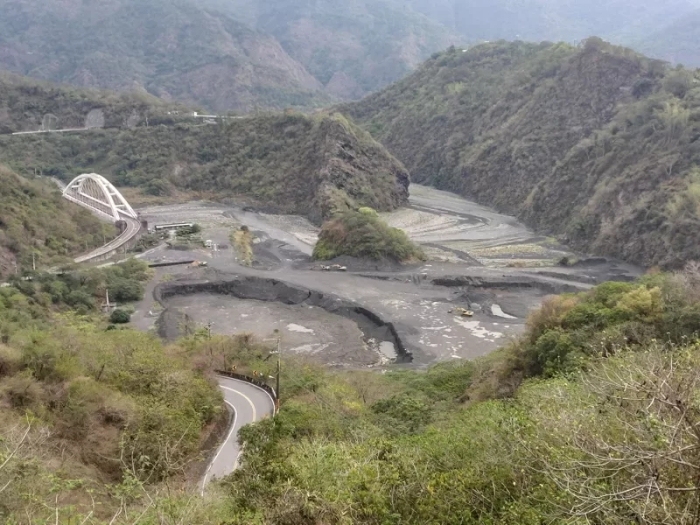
(39, 227)
(612, 318)
(29, 301)
(171, 49)
(31, 105)
(591, 417)
(311, 165)
(363, 234)
(92, 419)
(595, 143)
(242, 240)
(119, 316)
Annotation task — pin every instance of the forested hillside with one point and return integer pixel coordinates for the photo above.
(173, 49)
(351, 46)
(35, 219)
(31, 105)
(300, 164)
(593, 143)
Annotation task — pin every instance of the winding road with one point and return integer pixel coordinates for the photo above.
(132, 229)
(249, 404)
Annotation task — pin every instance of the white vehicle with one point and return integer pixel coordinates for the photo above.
(208, 243)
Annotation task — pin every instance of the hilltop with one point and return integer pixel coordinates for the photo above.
(595, 144)
(352, 47)
(173, 49)
(309, 165)
(35, 219)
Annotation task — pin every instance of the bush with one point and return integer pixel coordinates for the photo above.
(363, 234)
(10, 360)
(22, 391)
(119, 316)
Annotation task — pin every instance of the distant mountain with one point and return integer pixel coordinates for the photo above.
(622, 21)
(678, 43)
(595, 144)
(173, 49)
(351, 46)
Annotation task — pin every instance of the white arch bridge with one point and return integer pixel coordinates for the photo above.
(97, 194)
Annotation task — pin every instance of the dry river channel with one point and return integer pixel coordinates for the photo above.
(374, 314)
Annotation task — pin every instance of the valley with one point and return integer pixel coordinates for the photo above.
(508, 276)
(472, 296)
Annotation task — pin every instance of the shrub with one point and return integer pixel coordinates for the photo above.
(10, 360)
(363, 234)
(119, 316)
(22, 391)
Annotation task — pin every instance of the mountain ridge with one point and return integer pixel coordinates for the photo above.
(171, 48)
(545, 131)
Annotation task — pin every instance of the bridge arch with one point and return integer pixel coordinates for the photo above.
(97, 194)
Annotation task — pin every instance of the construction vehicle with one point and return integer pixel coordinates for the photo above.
(462, 312)
(334, 268)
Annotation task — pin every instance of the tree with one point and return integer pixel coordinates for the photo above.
(119, 316)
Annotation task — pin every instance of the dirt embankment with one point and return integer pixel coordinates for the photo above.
(264, 289)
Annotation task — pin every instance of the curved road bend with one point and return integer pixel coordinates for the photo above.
(249, 404)
(132, 228)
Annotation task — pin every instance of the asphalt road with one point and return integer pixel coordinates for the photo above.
(132, 228)
(249, 404)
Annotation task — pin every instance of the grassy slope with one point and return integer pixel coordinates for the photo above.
(307, 165)
(34, 218)
(172, 48)
(88, 416)
(596, 144)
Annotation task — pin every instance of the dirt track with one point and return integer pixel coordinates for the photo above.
(487, 262)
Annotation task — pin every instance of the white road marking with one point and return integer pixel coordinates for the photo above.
(221, 447)
(255, 414)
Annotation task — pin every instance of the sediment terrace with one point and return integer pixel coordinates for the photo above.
(376, 332)
(342, 319)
